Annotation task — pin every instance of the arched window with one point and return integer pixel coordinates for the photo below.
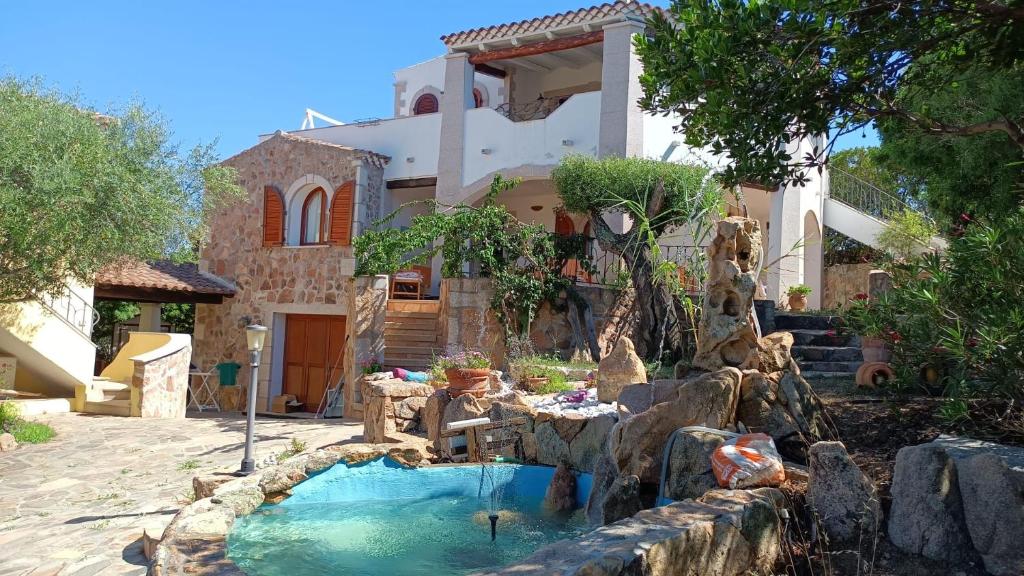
(478, 98)
(425, 104)
(314, 217)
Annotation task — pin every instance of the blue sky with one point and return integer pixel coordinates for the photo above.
(232, 70)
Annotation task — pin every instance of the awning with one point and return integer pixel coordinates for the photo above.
(161, 281)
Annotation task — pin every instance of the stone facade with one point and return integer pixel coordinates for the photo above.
(160, 386)
(280, 280)
(468, 321)
(842, 282)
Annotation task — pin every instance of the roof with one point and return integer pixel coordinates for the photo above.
(620, 9)
(161, 281)
(378, 159)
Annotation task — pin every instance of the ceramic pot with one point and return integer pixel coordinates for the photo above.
(874, 349)
(797, 302)
(467, 381)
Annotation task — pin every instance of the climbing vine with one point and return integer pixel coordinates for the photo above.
(523, 261)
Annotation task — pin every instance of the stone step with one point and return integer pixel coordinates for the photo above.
(805, 337)
(827, 353)
(788, 321)
(109, 407)
(842, 367)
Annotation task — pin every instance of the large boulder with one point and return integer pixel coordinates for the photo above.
(602, 480)
(619, 369)
(689, 464)
(843, 497)
(993, 497)
(635, 398)
(586, 447)
(465, 407)
(783, 406)
(7, 442)
(432, 416)
(621, 500)
(638, 444)
(927, 515)
(561, 492)
(552, 449)
(726, 334)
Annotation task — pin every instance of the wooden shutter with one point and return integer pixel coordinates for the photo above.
(273, 217)
(341, 215)
(425, 104)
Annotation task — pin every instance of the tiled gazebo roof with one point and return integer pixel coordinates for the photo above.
(607, 11)
(161, 281)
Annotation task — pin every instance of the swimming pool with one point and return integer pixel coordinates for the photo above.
(378, 518)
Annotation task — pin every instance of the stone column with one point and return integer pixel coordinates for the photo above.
(455, 100)
(149, 317)
(622, 122)
(367, 309)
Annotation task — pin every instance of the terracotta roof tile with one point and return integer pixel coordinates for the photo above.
(164, 275)
(572, 17)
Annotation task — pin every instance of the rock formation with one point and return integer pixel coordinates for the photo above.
(726, 335)
(843, 497)
(561, 492)
(619, 369)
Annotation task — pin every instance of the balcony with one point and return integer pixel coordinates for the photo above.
(534, 134)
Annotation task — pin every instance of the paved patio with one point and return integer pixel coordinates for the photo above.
(78, 504)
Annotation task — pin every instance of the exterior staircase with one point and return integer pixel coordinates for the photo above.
(412, 334)
(117, 398)
(820, 352)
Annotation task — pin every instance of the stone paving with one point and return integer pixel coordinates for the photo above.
(78, 504)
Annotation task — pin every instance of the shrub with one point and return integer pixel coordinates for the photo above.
(907, 234)
(24, 432)
(557, 382)
(798, 290)
(960, 315)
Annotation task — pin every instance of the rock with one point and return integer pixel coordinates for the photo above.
(399, 388)
(586, 447)
(7, 442)
(634, 399)
(378, 418)
(551, 448)
(203, 486)
(409, 408)
(358, 453)
(774, 352)
(465, 407)
(689, 465)
(728, 533)
(844, 498)
(283, 477)
(432, 417)
(993, 501)
(783, 406)
(215, 521)
(602, 480)
(638, 444)
(619, 369)
(726, 334)
(321, 460)
(927, 515)
(561, 492)
(530, 447)
(277, 497)
(501, 411)
(622, 499)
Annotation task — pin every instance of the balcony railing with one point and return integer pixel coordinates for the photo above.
(533, 110)
(74, 310)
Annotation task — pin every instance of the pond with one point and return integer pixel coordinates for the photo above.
(378, 518)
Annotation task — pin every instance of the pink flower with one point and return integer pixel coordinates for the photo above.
(860, 296)
(830, 333)
(965, 218)
(972, 342)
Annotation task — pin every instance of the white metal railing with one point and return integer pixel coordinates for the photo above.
(74, 310)
(865, 196)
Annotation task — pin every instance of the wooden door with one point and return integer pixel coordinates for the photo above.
(314, 348)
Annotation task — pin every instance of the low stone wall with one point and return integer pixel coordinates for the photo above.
(842, 282)
(160, 385)
(391, 406)
(726, 533)
(468, 321)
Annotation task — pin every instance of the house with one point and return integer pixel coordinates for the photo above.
(511, 99)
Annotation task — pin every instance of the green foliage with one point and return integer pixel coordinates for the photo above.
(961, 314)
(748, 78)
(798, 290)
(524, 262)
(908, 233)
(24, 431)
(861, 318)
(295, 447)
(556, 383)
(80, 191)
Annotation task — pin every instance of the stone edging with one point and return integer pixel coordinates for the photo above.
(195, 541)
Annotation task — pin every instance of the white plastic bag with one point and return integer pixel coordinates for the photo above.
(746, 461)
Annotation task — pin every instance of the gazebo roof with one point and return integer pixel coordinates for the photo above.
(161, 281)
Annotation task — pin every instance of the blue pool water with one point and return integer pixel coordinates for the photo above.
(378, 518)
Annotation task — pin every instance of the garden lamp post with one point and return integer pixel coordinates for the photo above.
(255, 335)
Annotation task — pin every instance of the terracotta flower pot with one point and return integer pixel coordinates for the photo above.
(874, 349)
(533, 383)
(797, 302)
(467, 381)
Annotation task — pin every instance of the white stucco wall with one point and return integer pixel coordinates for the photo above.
(527, 85)
(429, 77)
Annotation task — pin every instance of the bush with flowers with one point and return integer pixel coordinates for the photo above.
(957, 317)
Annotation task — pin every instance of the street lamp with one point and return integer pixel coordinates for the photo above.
(255, 335)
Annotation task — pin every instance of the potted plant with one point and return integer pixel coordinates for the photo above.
(467, 372)
(865, 320)
(798, 297)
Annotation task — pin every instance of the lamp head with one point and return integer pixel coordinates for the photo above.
(255, 336)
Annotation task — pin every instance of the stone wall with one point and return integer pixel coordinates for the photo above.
(160, 386)
(842, 282)
(367, 305)
(470, 323)
(391, 406)
(274, 281)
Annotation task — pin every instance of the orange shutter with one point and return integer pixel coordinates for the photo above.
(341, 215)
(273, 217)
